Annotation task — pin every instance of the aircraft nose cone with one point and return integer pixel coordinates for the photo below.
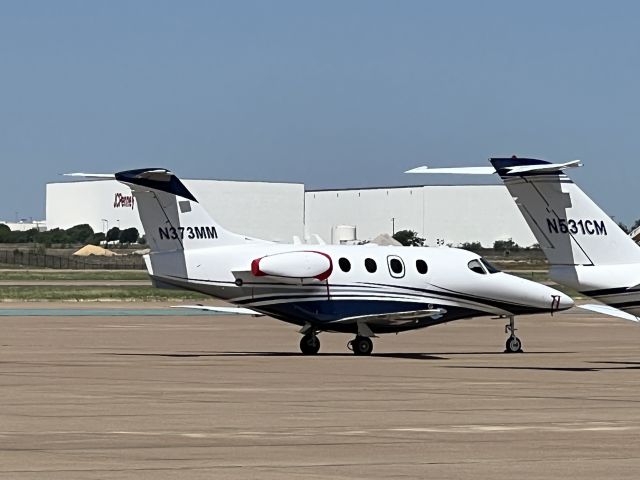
(557, 300)
(544, 297)
(565, 301)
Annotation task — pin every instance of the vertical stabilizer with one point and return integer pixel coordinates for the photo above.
(172, 218)
(570, 228)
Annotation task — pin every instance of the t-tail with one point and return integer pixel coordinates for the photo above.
(586, 249)
(173, 220)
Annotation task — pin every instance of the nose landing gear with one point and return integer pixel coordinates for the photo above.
(513, 345)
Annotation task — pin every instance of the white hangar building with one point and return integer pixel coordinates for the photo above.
(273, 211)
(448, 215)
(441, 214)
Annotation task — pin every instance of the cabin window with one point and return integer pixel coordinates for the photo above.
(370, 265)
(476, 266)
(396, 266)
(345, 265)
(421, 266)
(490, 268)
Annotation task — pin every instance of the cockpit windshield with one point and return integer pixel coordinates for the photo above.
(476, 266)
(481, 266)
(490, 268)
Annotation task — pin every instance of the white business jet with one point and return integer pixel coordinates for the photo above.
(363, 290)
(586, 249)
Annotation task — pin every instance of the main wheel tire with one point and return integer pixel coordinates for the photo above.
(309, 344)
(513, 345)
(362, 346)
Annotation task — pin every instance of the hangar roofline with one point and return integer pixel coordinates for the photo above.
(404, 186)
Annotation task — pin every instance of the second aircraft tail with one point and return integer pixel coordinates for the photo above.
(570, 228)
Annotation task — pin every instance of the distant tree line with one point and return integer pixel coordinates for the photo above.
(408, 238)
(80, 234)
(630, 229)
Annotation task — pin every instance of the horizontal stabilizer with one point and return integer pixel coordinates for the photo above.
(611, 311)
(455, 170)
(396, 316)
(159, 179)
(523, 166)
(226, 310)
(546, 168)
(90, 175)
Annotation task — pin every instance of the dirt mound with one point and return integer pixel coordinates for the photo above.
(94, 250)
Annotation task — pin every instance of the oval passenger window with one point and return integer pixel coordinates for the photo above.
(395, 265)
(370, 265)
(421, 266)
(345, 265)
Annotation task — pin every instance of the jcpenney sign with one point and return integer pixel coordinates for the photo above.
(124, 201)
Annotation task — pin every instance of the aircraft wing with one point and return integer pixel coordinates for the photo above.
(227, 310)
(611, 311)
(394, 317)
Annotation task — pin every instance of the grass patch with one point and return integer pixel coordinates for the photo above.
(37, 293)
(63, 275)
(536, 276)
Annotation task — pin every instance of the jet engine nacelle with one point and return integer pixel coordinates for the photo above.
(302, 264)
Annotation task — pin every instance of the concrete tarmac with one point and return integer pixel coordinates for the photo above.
(230, 398)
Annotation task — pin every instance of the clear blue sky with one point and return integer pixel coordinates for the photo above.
(329, 93)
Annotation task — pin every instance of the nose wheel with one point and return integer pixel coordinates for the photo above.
(361, 346)
(513, 345)
(310, 344)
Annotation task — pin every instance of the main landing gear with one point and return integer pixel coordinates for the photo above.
(513, 345)
(361, 345)
(310, 344)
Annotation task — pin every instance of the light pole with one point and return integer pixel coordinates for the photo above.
(393, 226)
(105, 231)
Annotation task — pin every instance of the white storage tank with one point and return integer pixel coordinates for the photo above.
(343, 234)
